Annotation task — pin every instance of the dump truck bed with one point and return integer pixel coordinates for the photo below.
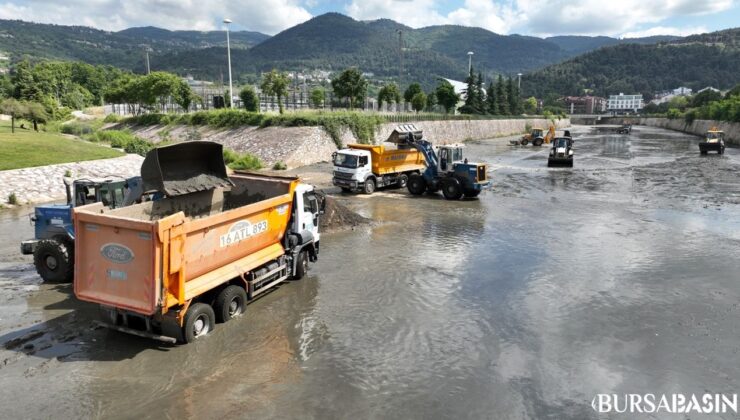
(149, 257)
(388, 161)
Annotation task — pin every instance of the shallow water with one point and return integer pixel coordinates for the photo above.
(616, 276)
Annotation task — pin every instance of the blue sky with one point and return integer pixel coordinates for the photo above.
(529, 17)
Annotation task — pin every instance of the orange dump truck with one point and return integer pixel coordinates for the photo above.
(362, 167)
(170, 268)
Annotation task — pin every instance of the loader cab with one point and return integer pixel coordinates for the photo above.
(84, 191)
(537, 132)
(448, 156)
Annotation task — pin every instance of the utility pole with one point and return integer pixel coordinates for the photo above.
(146, 52)
(519, 85)
(470, 61)
(228, 54)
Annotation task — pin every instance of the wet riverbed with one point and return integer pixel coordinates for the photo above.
(616, 276)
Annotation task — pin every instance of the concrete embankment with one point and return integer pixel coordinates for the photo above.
(44, 183)
(299, 146)
(698, 127)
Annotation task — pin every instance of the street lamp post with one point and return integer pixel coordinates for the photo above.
(519, 84)
(470, 61)
(228, 54)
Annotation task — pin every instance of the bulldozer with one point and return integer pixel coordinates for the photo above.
(537, 137)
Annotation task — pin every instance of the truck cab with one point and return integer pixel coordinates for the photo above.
(714, 141)
(351, 168)
(53, 242)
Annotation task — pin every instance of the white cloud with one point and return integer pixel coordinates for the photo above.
(665, 30)
(538, 17)
(269, 16)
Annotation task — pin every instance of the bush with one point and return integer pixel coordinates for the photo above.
(12, 199)
(279, 166)
(111, 118)
(673, 114)
(246, 161)
(138, 146)
(77, 128)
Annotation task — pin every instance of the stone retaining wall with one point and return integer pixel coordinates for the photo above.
(299, 146)
(698, 127)
(44, 183)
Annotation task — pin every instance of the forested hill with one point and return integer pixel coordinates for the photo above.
(123, 49)
(696, 61)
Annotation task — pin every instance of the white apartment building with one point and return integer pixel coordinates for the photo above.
(625, 103)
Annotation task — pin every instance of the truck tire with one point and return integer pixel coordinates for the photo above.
(54, 261)
(301, 267)
(369, 186)
(451, 189)
(199, 321)
(403, 180)
(416, 184)
(230, 303)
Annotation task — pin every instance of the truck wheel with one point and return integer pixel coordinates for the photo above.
(451, 189)
(199, 321)
(230, 303)
(416, 184)
(403, 180)
(301, 267)
(54, 262)
(369, 186)
(703, 152)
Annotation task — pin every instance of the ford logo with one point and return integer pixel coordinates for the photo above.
(117, 253)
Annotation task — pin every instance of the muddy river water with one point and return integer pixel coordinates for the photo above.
(620, 275)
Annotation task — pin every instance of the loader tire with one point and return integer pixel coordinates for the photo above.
(416, 184)
(537, 142)
(451, 189)
(471, 193)
(199, 321)
(54, 261)
(524, 142)
(230, 303)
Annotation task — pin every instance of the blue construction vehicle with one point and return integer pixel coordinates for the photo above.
(53, 244)
(446, 169)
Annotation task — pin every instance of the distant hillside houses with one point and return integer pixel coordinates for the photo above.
(666, 96)
(625, 104)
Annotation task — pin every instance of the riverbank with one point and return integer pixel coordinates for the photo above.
(698, 127)
(300, 146)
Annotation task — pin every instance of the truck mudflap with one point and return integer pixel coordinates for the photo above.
(185, 168)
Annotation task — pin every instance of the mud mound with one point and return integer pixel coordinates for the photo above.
(339, 217)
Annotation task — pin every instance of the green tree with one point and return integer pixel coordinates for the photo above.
(419, 101)
(183, 95)
(679, 102)
(474, 103)
(317, 97)
(249, 98)
(705, 97)
(351, 85)
(431, 101)
(15, 109)
(276, 84)
(23, 82)
(735, 91)
(491, 100)
(512, 93)
(411, 91)
(36, 113)
(446, 95)
(530, 105)
(389, 94)
(502, 98)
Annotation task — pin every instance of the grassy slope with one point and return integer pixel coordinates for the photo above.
(27, 148)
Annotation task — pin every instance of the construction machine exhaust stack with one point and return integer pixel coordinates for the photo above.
(185, 168)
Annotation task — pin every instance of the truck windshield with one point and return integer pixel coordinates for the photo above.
(347, 161)
(561, 143)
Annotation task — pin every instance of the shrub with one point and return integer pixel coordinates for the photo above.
(246, 161)
(138, 146)
(111, 118)
(673, 114)
(68, 174)
(12, 199)
(77, 128)
(279, 166)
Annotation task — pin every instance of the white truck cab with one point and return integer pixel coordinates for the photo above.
(308, 209)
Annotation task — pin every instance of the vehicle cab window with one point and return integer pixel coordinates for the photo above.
(363, 160)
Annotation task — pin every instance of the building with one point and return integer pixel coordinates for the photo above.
(584, 104)
(682, 91)
(625, 104)
(709, 88)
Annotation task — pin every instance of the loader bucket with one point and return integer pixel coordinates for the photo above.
(185, 168)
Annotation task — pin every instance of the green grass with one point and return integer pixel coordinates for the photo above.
(27, 148)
